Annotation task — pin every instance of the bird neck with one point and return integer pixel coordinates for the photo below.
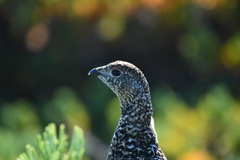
(138, 109)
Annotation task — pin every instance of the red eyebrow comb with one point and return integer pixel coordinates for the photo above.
(116, 67)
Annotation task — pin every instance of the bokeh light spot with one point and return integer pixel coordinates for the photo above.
(120, 7)
(148, 17)
(208, 4)
(230, 55)
(109, 29)
(223, 145)
(37, 37)
(196, 155)
(188, 46)
(153, 3)
(85, 8)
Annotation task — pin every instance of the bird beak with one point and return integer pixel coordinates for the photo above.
(94, 72)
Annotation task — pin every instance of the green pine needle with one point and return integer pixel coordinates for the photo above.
(51, 147)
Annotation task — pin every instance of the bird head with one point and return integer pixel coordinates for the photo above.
(124, 79)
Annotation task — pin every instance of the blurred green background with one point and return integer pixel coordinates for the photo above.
(189, 50)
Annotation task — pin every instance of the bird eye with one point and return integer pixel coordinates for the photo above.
(116, 72)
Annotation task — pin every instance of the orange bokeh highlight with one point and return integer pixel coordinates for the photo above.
(37, 37)
(85, 8)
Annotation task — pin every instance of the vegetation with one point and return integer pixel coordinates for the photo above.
(188, 50)
(52, 147)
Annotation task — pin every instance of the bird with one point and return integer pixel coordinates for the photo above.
(135, 137)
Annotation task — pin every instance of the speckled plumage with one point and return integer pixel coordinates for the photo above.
(135, 137)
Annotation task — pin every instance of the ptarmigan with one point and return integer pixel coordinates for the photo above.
(135, 137)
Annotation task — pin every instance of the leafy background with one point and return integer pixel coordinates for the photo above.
(189, 50)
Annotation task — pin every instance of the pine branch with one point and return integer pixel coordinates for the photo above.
(51, 147)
